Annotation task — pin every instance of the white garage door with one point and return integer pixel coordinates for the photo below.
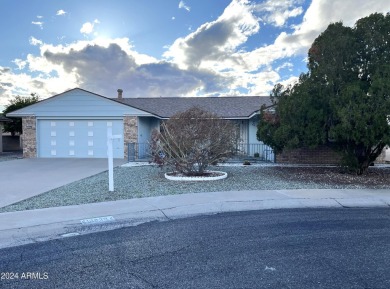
(77, 138)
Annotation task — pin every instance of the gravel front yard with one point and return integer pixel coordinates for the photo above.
(147, 181)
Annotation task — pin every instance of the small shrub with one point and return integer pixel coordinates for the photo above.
(349, 164)
(192, 140)
(256, 155)
(246, 163)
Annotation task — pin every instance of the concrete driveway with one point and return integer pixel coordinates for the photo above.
(25, 178)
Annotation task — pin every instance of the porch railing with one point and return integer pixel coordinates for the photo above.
(261, 152)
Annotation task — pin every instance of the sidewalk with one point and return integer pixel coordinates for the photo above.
(24, 227)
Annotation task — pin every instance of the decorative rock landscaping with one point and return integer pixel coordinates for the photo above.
(149, 181)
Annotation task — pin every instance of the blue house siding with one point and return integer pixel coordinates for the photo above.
(249, 145)
(145, 128)
(259, 147)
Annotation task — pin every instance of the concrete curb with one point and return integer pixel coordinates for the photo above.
(24, 227)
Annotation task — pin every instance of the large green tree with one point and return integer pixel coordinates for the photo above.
(16, 103)
(343, 101)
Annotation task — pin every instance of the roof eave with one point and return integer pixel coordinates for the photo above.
(14, 114)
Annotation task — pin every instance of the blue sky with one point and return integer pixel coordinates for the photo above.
(153, 48)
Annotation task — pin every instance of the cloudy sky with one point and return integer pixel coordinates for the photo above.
(154, 48)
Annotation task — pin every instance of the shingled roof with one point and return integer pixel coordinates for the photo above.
(226, 107)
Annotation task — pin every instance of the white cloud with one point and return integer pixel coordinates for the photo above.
(119, 68)
(317, 18)
(287, 65)
(60, 12)
(217, 46)
(88, 27)
(38, 23)
(21, 64)
(215, 40)
(183, 5)
(20, 83)
(34, 41)
(290, 81)
(39, 16)
(262, 83)
(103, 65)
(278, 12)
(281, 18)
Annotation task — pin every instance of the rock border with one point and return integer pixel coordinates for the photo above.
(197, 178)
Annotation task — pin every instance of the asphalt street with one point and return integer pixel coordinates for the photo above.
(296, 248)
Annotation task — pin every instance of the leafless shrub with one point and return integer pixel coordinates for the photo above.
(192, 140)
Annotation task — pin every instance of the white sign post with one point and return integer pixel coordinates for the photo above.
(110, 155)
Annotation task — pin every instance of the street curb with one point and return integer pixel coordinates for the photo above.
(32, 226)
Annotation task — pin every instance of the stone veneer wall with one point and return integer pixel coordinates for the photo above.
(29, 137)
(130, 131)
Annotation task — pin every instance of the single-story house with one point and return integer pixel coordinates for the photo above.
(74, 123)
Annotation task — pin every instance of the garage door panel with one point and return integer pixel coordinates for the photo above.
(77, 138)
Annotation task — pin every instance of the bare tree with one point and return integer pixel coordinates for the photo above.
(192, 140)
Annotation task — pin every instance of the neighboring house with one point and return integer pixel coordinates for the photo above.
(74, 123)
(2, 120)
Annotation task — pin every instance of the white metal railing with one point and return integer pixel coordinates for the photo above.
(261, 152)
